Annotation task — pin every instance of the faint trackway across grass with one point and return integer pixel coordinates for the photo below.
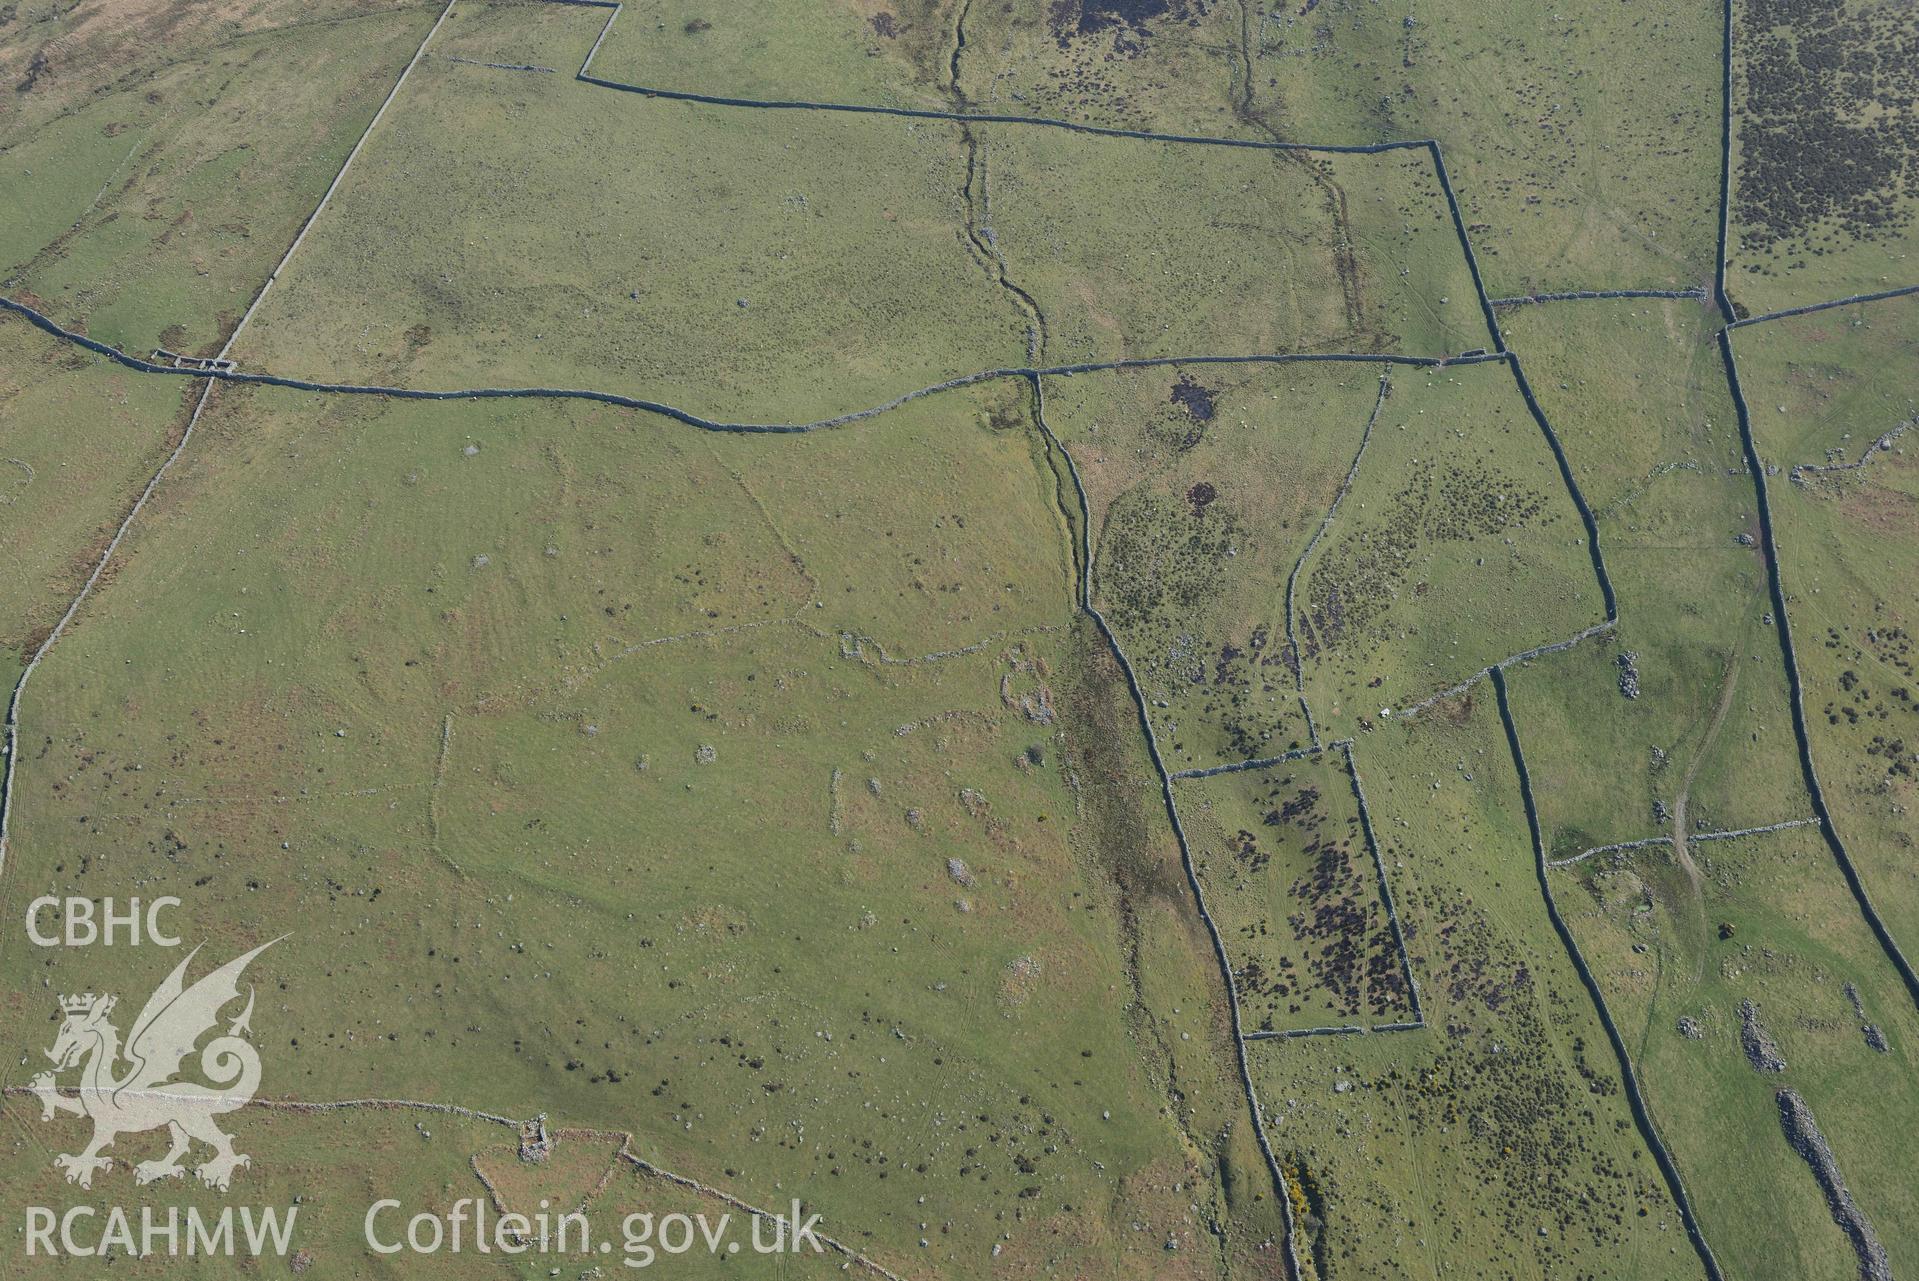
(1033, 374)
(1297, 660)
(1682, 799)
(13, 710)
(535, 1131)
(1821, 815)
(1630, 1079)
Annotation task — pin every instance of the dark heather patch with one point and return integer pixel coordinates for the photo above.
(1195, 398)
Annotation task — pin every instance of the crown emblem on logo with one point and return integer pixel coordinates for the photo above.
(85, 1003)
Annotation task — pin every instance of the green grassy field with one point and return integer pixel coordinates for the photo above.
(79, 437)
(149, 212)
(1796, 947)
(1573, 177)
(1826, 390)
(1457, 546)
(1291, 882)
(898, 250)
(1170, 71)
(643, 811)
(773, 804)
(1497, 1139)
(1708, 738)
(1205, 485)
(843, 277)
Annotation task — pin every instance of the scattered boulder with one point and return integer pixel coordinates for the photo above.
(957, 869)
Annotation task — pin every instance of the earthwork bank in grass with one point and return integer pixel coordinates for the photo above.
(600, 767)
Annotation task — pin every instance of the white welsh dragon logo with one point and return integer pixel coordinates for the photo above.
(146, 1095)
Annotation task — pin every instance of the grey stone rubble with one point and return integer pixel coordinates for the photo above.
(1628, 662)
(1584, 295)
(1616, 848)
(497, 66)
(1803, 1133)
(535, 1143)
(200, 364)
(1758, 1044)
(1883, 445)
(1875, 1037)
(1689, 1028)
(1597, 629)
(1786, 826)
(1234, 767)
(961, 874)
(1660, 814)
